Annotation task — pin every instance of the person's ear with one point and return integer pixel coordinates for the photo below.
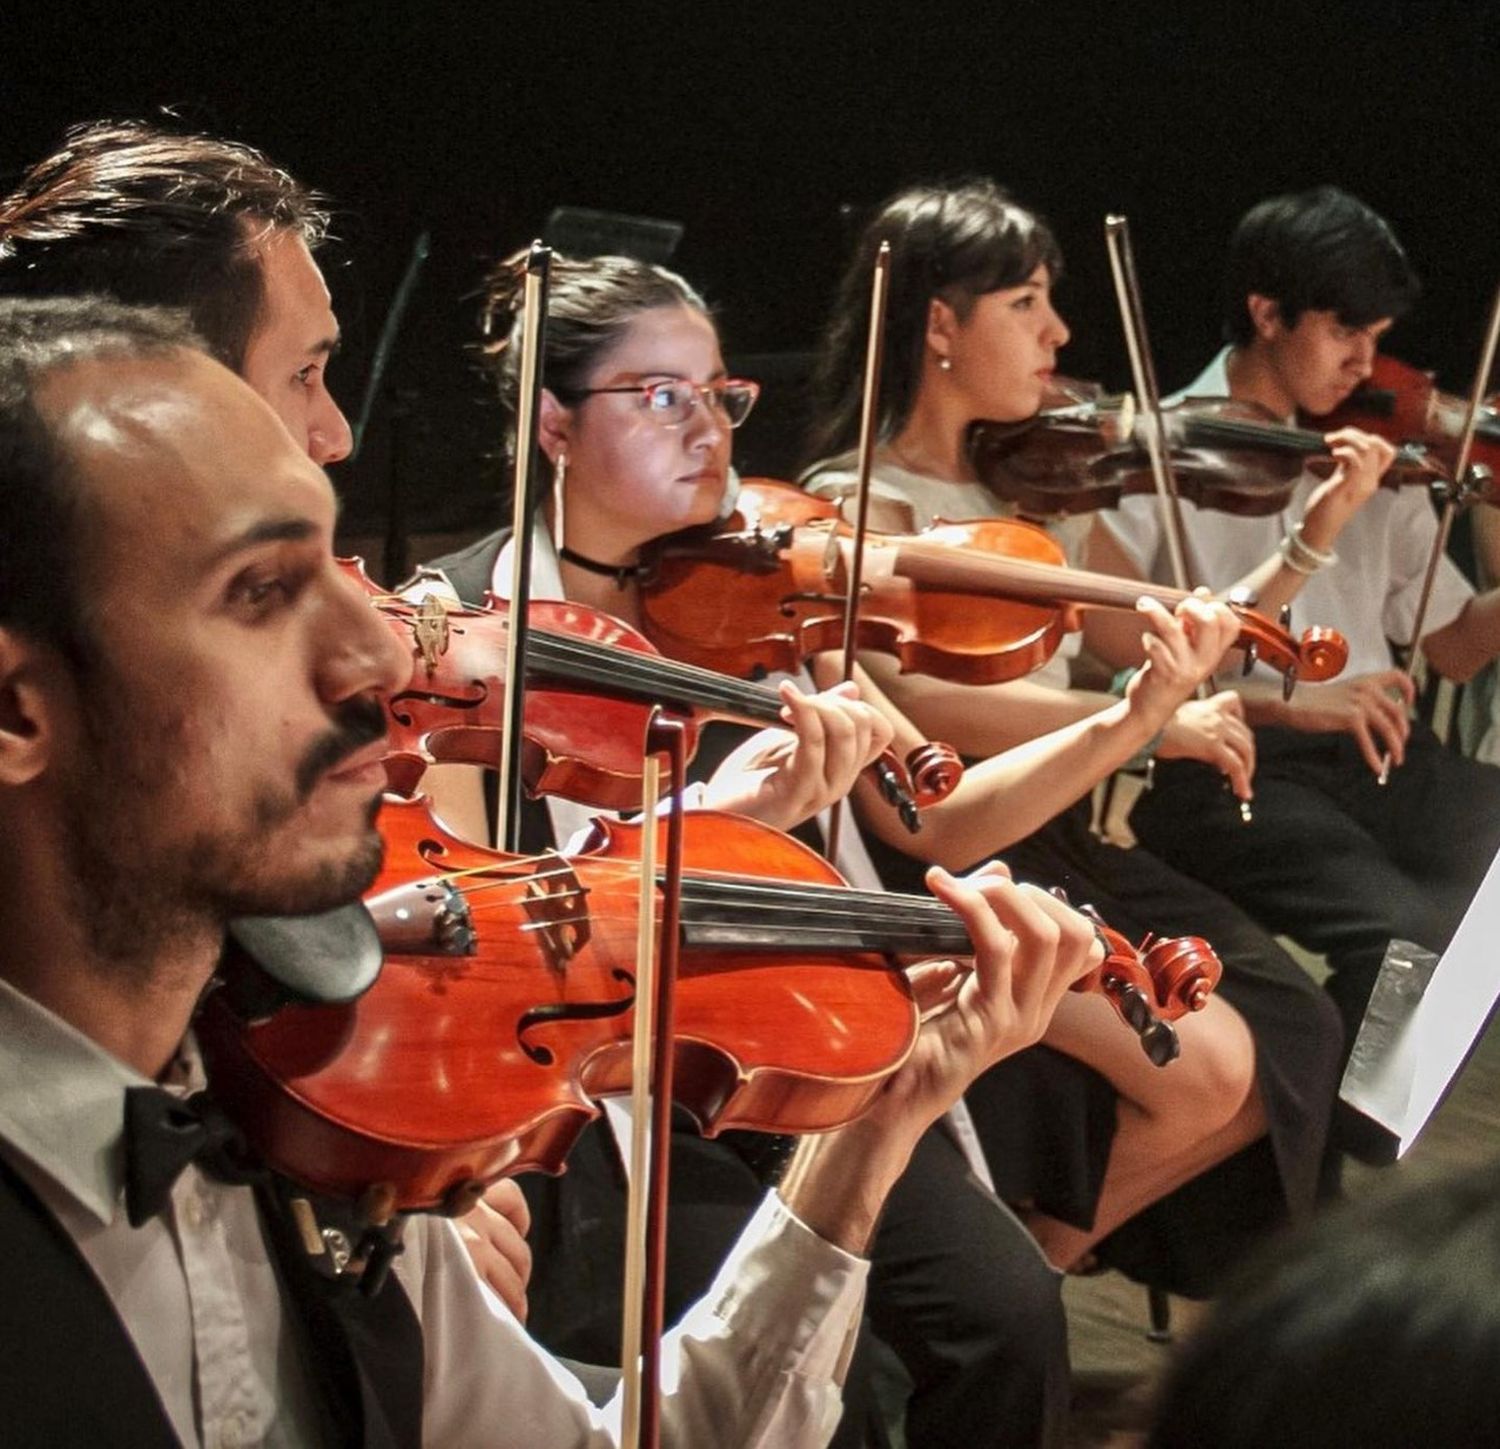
(31, 685)
(942, 327)
(554, 424)
(1265, 317)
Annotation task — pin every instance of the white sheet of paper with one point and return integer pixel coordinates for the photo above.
(1401, 1088)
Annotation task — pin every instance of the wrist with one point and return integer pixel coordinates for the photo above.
(1302, 555)
(1320, 528)
(837, 1182)
(1131, 732)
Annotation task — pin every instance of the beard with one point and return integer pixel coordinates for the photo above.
(142, 882)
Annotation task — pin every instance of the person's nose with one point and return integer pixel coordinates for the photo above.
(329, 436)
(361, 652)
(1057, 333)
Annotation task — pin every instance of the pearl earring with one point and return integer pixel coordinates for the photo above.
(946, 363)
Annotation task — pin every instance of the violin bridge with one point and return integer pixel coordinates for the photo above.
(557, 905)
(429, 629)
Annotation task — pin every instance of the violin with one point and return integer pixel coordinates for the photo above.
(1403, 404)
(504, 1008)
(975, 603)
(1232, 456)
(596, 680)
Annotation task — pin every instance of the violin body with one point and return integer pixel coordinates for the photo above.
(504, 1010)
(593, 684)
(1227, 455)
(977, 603)
(763, 591)
(581, 741)
(1089, 456)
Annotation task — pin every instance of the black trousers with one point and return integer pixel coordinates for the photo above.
(1334, 860)
(958, 1289)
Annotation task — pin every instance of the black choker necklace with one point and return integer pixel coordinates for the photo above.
(620, 573)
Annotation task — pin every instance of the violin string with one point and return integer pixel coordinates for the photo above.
(647, 671)
(822, 919)
(757, 892)
(898, 914)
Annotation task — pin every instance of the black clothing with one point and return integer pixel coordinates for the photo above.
(1335, 860)
(60, 1328)
(1047, 1121)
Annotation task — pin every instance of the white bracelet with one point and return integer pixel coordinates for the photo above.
(1301, 557)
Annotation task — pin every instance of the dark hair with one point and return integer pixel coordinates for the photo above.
(1379, 1327)
(146, 215)
(955, 242)
(1320, 250)
(39, 490)
(590, 303)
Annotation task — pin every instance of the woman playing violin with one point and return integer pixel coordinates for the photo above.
(1334, 860)
(636, 423)
(972, 333)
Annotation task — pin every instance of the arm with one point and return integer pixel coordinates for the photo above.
(1467, 643)
(1463, 646)
(1007, 796)
(1360, 460)
(1371, 707)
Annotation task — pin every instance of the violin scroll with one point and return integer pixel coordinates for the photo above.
(1152, 985)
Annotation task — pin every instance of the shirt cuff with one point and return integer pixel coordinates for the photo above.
(792, 1292)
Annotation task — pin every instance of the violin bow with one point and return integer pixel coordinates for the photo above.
(1148, 396)
(1458, 495)
(651, 1090)
(880, 278)
(523, 507)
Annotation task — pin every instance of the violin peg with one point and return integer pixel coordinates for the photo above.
(1284, 616)
(1289, 682)
(1160, 1043)
(1252, 653)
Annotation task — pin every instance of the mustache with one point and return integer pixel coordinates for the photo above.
(358, 722)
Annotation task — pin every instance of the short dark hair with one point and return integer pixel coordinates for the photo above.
(956, 242)
(590, 303)
(40, 595)
(150, 216)
(1379, 1326)
(1321, 251)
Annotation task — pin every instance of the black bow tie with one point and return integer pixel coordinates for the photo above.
(164, 1133)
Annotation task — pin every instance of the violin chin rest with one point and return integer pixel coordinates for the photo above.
(320, 960)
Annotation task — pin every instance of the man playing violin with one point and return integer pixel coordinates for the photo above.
(190, 729)
(1334, 859)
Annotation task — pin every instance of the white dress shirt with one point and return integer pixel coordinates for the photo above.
(1370, 595)
(756, 1362)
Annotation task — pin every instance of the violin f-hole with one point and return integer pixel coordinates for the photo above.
(560, 1011)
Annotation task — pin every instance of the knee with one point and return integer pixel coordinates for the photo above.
(1215, 1074)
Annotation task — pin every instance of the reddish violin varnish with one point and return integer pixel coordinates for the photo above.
(593, 682)
(1404, 404)
(504, 1008)
(1231, 456)
(976, 603)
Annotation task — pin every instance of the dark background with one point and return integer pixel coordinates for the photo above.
(755, 124)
